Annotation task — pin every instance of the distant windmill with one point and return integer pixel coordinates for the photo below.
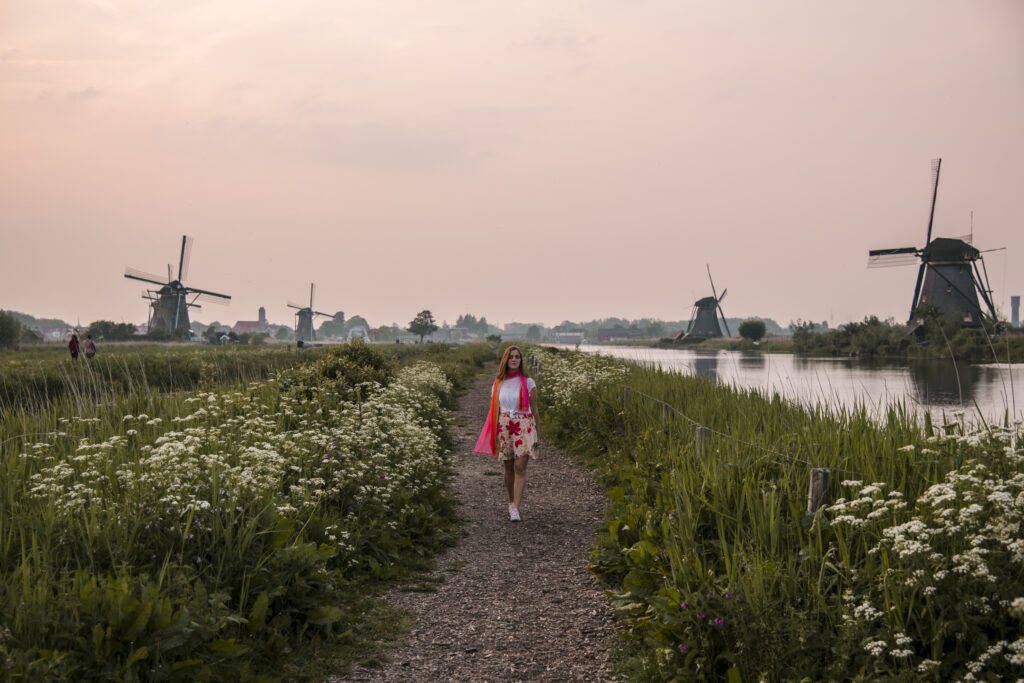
(304, 318)
(949, 277)
(704, 317)
(168, 311)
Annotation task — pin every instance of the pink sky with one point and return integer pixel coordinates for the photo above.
(530, 161)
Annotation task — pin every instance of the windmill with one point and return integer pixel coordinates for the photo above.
(949, 277)
(169, 303)
(304, 315)
(704, 317)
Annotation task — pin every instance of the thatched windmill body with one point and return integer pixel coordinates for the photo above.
(705, 313)
(304, 315)
(949, 276)
(171, 301)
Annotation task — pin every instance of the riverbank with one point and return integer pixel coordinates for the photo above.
(870, 339)
(912, 570)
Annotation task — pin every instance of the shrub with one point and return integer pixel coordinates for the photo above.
(752, 329)
(10, 331)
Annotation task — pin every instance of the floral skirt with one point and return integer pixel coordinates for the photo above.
(517, 436)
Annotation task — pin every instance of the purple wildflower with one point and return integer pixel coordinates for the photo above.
(700, 615)
(682, 648)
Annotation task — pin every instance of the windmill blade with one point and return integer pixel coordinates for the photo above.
(295, 305)
(170, 277)
(917, 289)
(207, 299)
(196, 290)
(329, 315)
(137, 274)
(722, 313)
(708, 265)
(887, 258)
(144, 279)
(724, 292)
(936, 167)
(186, 256)
(311, 288)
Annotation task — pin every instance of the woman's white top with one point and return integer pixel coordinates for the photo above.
(508, 399)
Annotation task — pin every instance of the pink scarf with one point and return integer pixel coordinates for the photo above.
(488, 440)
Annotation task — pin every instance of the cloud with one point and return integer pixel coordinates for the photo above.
(82, 95)
(386, 147)
(565, 43)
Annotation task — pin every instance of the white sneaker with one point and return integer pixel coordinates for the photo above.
(511, 507)
(513, 515)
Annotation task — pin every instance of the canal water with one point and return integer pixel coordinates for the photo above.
(938, 387)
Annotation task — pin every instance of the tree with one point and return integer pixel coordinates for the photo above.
(655, 329)
(533, 333)
(423, 324)
(283, 334)
(752, 329)
(108, 330)
(10, 331)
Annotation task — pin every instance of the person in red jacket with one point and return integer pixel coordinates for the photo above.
(73, 346)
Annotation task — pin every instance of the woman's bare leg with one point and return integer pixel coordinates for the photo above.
(510, 478)
(520, 480)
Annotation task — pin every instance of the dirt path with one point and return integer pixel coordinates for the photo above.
(517, 602)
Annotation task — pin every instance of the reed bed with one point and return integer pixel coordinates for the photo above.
(204, 533)
(913, 572)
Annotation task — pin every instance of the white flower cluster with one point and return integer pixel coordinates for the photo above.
(231, 450)
(963, 540)
(567, 377)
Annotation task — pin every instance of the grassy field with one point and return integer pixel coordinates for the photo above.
(915, 571)
(216, 514)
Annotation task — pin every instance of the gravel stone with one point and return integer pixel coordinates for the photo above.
(517, 602)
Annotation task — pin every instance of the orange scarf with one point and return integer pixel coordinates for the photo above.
(488, 439)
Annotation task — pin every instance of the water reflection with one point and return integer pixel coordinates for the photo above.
(707, 365)
(943, 383)
(935, 386)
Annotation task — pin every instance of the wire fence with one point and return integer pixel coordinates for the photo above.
(820, 477)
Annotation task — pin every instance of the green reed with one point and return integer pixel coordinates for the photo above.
(720, 571)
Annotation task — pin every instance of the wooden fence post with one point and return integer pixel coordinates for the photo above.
(817, 494)
(666, 413)
(628, 396)
(700, 440)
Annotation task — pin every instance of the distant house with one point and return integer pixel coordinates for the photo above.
(359, 332)
(616, 333)
(57, 333)
(570, 337)
(253, 325)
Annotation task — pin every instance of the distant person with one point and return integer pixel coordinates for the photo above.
(510, 433)
(73, 346)
(90, 346)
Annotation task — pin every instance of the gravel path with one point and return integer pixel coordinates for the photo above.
(517, 603)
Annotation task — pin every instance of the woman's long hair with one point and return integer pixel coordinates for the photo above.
(503, 365)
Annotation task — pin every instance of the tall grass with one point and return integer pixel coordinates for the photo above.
(201, 533)
(719, 570)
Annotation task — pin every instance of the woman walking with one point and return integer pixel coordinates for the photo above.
(73, 346)
(510, 433)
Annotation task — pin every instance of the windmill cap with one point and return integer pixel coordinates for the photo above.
(948, 249)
